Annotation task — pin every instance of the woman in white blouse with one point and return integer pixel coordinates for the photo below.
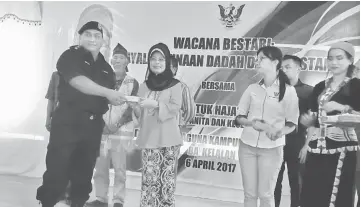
(268, 110)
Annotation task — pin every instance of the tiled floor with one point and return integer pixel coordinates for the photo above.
(20, 192)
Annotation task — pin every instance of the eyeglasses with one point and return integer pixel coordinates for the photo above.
(156, 60)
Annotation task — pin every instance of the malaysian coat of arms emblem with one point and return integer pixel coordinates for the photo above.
(230, 15)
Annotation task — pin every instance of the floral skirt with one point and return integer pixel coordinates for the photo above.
(159, 175)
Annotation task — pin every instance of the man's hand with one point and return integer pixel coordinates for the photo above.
(115, 98)
(303, 154)
(106, 130)
(110, 129)
(113, 128)
(136, 108)
(48, 124)
(308, 119)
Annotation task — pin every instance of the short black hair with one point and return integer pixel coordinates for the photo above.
(295, 59)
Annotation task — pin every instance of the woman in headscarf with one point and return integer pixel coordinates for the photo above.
(159, 136)
(331, 148)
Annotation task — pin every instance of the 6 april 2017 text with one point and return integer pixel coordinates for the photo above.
(210, 165)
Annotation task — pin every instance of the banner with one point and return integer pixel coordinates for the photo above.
(215, 44)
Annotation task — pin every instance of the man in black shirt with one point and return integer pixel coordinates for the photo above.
(291, 65)
(52, 96)
(86, 86)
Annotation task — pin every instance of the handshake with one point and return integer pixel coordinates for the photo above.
(271, 132)
(115, 98)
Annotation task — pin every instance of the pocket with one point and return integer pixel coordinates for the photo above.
(105, 79)
(274, 107)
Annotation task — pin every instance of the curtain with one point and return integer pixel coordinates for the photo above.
(29, 13)
(21, 68)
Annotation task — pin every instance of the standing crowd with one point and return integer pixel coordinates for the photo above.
(284, 124)
(94, 108)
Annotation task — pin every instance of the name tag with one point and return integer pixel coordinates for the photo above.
(273, 94)
(273, 97)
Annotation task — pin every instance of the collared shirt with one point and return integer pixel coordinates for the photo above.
(76, 61)
(261, 102)
(159, 127)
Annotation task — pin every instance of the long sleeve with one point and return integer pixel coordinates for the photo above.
(188, 107)
(170, 109)
(355, 94)
(313, 100)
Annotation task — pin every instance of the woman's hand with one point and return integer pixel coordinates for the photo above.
(333, 106)
(258, 125)
(274, 134)
(149, 103)
(308, 119)
(303, 154)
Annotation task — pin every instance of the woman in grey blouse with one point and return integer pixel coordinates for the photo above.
(159, 136)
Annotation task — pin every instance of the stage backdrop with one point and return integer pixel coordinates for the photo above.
(215, 43)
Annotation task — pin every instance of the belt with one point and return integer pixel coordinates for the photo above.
(336, 133)
(93, 116)
(77, 109)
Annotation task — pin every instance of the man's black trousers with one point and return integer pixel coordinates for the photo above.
(72, 153)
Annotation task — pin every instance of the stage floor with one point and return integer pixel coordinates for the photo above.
(18, 191)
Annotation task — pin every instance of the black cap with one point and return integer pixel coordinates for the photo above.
(91, 25)
(119, 49)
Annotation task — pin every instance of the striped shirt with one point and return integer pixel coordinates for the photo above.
(188, 108)
(121, 115)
